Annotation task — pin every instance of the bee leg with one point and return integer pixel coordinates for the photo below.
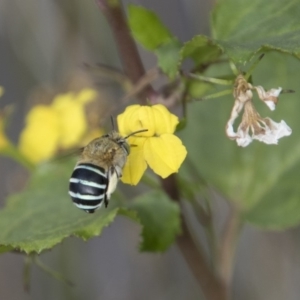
(118, 171)
(105, 201)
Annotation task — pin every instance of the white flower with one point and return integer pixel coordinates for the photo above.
(253, 126)
(237, 107)
(273, 131)
(243, 138)
(269, 97)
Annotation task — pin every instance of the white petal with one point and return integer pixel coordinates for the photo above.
(269, 97)
(237, 107)
(274, 92)
(270, 104)
(244, 139)
(230, 132)
(273, 132)
(266, 138)
(280, 129)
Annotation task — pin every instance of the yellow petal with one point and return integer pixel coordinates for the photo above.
(165, 122)
(39, 138)
(137, 117)
(70, 108)
(144, 119)
(135, 165)
(86, 95)
(157, 119)
(124, 118)
(164, 154)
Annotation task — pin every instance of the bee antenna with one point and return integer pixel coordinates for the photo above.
(112, 122)
(142, 130)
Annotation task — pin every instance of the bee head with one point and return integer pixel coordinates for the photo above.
(123, 143)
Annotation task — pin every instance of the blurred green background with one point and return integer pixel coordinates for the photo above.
(43, 46)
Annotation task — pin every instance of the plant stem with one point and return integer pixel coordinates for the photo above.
(128, 52)
(228, 248)
(51, 272)
(210, 79)
(215, 95)
(26, 272)
(212, 287)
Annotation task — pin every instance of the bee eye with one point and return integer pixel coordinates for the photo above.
(125, 146)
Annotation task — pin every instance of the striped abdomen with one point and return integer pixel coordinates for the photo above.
(88, 187)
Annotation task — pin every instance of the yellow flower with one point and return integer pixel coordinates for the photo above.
(39, 139)
(158, 147)
(71, 115)
(51, 127)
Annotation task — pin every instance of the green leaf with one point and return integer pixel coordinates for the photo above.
(242, 30)
(280, 206)
(160, 218)
(147, 28)
(201, 49)
(4, 249)
(43, 215)
(168, 57)
(262, 180)
(152, 34)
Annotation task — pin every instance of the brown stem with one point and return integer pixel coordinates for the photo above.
(228, 248)
(128, 51)
(212, 287)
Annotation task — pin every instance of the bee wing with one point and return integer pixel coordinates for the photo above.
(68, 153)
(113, 176)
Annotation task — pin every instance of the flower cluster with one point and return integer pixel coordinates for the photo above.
(158, 147)
(262, 129)
(60, 125)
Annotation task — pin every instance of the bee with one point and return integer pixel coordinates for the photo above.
(98, 170)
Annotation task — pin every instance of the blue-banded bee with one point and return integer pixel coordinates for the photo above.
(98, 170)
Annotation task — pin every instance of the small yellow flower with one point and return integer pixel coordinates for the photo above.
(71, 115)
(51, 127)
(158, 147)
(39, 139)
